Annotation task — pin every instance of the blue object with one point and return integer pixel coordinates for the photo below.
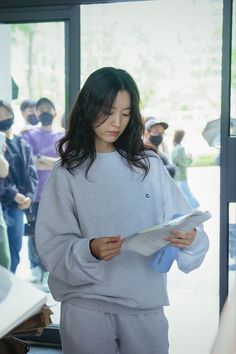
(163, 259)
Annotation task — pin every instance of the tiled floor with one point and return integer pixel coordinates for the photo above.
(194, 297)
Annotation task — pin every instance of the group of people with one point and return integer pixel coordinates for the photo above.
(180, 160)
(26, 160)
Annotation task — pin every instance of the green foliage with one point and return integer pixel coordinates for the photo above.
(204, 160)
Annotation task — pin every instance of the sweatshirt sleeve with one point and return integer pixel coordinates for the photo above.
(59, 241)
(191, 257)
(174, 203)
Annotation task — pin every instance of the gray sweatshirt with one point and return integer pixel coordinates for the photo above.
(113, 200)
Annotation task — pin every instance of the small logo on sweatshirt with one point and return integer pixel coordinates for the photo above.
(148, 195)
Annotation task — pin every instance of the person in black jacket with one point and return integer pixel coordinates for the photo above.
(20, 184)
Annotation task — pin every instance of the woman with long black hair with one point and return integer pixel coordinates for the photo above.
(107, 186)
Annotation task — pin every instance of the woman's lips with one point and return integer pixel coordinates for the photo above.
(113, 133)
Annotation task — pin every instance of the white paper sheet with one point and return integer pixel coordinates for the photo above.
(150, 240)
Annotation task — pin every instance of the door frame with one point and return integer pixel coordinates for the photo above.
(228, 148)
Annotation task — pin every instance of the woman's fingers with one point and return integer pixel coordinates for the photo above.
(181, 239)
(111, 249)
(106, 247)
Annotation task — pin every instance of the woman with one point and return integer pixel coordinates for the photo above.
(20, 184)
(181, 160)
(105, 187)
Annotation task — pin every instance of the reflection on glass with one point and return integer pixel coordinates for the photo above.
(232, 243)
(174, 60)
(33, 65)
(233, 77)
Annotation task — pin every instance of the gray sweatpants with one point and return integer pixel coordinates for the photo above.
(86, 331)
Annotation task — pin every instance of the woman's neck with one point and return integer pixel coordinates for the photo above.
(103, 147)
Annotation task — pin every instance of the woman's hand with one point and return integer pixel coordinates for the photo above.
(105, 248)
(181, 239)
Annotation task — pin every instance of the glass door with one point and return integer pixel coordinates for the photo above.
(177, 65)
(41, 60)
(30, 73)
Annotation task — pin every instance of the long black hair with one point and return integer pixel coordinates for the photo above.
(95, 100)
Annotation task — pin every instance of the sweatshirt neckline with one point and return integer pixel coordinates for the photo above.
(107, 154)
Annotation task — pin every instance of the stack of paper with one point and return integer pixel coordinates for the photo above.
(19, 300)
(150, 240)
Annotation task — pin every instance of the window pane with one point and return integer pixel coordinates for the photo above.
(173, 51)
(32, 67)
(175, 62)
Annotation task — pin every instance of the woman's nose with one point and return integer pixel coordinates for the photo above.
(116, 120)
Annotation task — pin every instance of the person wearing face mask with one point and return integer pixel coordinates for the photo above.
(154, 131)
(28, 112)
(42, 139)
(20, 184)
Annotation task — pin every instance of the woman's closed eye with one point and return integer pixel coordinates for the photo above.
(126, 115)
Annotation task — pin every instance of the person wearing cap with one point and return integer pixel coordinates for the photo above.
(28, 112)
(157, 127)
(154, 131)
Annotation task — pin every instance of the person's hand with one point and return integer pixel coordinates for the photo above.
(181, 239)
(105, 248)
(19, 198)
(26, 203)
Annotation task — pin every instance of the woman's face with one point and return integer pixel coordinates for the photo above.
(108, 132)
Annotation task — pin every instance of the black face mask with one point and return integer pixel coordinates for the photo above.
(6, 124)
(156, 140)
(32, 119)
(46, 118)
